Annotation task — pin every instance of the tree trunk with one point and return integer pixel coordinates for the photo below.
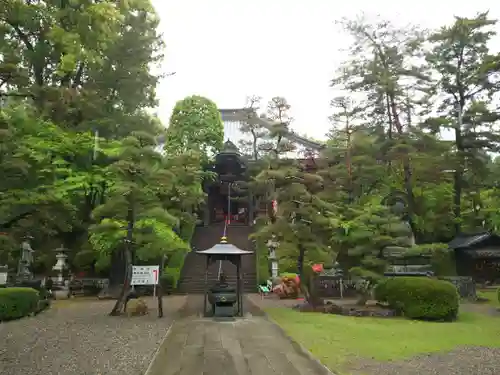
(406, 168)
(458, 174)
(300, 261)
(122, 297)
(159, 288)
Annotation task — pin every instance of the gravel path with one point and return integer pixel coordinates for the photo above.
(463, 361)
(80, 339)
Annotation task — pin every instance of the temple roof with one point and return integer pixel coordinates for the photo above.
(224, 249)
(249, 115)
(463, 241)
(229, 148)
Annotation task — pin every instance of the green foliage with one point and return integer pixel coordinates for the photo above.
(299, 223)
(389, 141)
(195, 124)
(16, 303)
(362, 233)
(74, 61)
(442, 258)
(187, 228)
(74, 126)
(419, 297)
(262, 262)
(172, 272)
(170, 278)
(80, 167)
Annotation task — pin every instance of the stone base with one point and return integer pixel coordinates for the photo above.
(60, 294)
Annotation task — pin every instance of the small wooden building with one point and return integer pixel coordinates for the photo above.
(478, 256)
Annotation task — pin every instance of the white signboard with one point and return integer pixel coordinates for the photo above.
(145, 275)
(3, 278)
(3, 275)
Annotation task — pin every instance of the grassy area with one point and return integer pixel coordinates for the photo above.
(335, 339)
(489, 294)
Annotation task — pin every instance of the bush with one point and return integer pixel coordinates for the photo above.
(263, 271)
(170, 278)
(419, 297)
(16, 303)
(441, 257)
(380, 290)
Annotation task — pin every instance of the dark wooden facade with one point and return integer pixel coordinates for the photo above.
(477, 256)
(231, 170)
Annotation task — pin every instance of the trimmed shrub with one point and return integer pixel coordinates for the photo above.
(172, 272)
(380, 290)
(419, 297)
(170, 278)
(16, 303)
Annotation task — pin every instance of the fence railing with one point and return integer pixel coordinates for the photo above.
(334, 287)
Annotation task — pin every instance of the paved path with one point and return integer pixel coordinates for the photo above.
(243, 346)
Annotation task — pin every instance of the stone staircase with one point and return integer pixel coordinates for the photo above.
(193, 273)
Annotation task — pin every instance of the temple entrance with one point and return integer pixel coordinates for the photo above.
(227, 204)
(228, 201)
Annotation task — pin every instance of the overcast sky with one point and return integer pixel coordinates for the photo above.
(227, 50)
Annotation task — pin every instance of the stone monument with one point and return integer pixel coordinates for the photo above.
(24, 272)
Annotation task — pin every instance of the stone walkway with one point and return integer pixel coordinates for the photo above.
(242, 346)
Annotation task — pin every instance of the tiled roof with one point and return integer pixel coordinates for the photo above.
(467, 240)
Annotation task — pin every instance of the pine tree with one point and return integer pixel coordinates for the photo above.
(467, 80)
(133, 220)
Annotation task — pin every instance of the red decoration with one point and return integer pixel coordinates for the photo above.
(317, 268)
(274, 204)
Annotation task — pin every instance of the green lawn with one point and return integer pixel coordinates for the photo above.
(334, 339)
(491, 295)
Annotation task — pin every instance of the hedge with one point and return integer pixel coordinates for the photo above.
(16, 303)
(419, 297)
(172, 272)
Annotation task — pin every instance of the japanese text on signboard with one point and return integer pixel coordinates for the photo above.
(145, 275)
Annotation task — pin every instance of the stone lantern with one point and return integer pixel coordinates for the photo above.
(61, 264)
(272, 245)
